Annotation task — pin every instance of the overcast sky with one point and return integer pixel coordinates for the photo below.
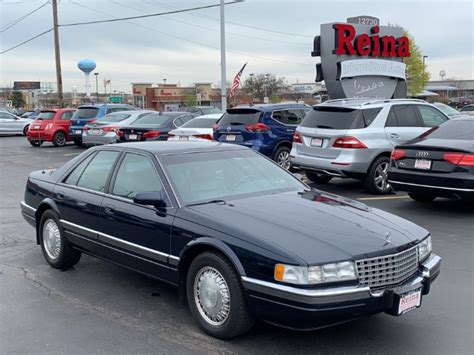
(184, 47)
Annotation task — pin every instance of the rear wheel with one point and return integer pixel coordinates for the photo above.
(318, 178)
(376, 181)
(59, 139)
(25, 130)
(421, 197)
(282, 157)
(36, 143)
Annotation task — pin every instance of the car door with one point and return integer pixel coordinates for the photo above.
(9, 124)
(430, 116)
(403, 124)
(137, 230)
(80, 193)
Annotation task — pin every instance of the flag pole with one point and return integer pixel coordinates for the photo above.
(223, 61)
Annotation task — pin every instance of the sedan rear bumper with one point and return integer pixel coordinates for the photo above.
(108, 138)
(307, 309)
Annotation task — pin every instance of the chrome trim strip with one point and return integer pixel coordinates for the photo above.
(431, 186)
(76, 226)
(28, 207)
(26, 215)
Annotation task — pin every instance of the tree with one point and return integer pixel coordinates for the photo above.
(417, 76)
(190, 100)
(17, 99)
(259, 84)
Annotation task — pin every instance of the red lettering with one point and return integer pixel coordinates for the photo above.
(388, 46)
(344, 36)
(362, 43)
(403, 47)
(375, 41)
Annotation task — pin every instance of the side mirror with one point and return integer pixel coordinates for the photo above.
(155, 198)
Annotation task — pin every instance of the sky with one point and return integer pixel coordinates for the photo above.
(273, 36)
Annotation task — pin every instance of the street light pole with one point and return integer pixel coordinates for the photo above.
(223, 63)
(97, 85)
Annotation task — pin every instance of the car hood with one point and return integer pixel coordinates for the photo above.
(313, 226)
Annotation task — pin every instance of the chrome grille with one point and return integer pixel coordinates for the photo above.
(388, 270)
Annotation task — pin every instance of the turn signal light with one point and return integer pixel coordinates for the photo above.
(151, 134)
(459, 159)
(204, 136)
(397, 154)
(348, 142)
(297, 138)
(279, 272)
(257, 127)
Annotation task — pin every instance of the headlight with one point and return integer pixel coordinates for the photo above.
(303, 275)
(424, 248)
(49, 125)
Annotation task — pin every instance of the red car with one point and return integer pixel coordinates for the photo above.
(50, 126)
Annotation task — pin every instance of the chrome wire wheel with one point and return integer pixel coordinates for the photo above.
(212, 296)
(51, 239)
(380, 177)
(283, 159)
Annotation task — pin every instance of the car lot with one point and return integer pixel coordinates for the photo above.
(99, 307)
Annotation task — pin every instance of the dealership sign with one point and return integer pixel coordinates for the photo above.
(362, 59)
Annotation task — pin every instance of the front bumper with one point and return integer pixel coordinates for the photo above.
(307, 309)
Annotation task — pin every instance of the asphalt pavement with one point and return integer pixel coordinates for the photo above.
(101, 308)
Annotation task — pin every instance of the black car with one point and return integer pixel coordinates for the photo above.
(155, 126)
(241, 237)
(438, 163)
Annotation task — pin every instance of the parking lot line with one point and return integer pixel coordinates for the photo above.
(69, 154)
(383, 198)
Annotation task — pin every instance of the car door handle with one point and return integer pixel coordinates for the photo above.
(394, 136)
(60, 195)
(109, 209)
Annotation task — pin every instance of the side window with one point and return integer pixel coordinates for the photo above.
(391, 120)
(77, 172)
(136, 174)
(66, 115)
(405, 116)
(187, 118)
(370, 114)
(178, 122)
(289, 117)
(6, 116)
(95, 174)
(430, 116)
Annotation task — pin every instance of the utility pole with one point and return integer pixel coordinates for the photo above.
(59, 78)
(223, 64)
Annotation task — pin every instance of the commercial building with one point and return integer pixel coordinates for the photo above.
(451, 90)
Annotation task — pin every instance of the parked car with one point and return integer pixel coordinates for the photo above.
(468, 110)
(154, 127)
(88, 113)
(51, 126)
(268, 129)
(447, 110)
(198, 128)
(105, 129)
(11, 124)
(353, 138)
(241, 237)
(202, 110)
(439, 163)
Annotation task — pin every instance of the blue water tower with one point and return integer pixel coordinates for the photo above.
(87, 66)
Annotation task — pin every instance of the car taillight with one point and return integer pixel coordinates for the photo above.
(86, 128)
(204, 136)
(397, 154)
(459, 159)
(257, 127)
(215, 126)
(297, 138)
(348, 142)
(151, 134)
(111, 129)
(120, 133)
(92, 120)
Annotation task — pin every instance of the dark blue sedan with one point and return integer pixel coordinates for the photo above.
(241, 237)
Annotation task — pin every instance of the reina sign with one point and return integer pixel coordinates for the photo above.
(362, 59)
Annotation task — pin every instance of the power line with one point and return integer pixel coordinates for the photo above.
(14, 22)
(145, 16)
(25, 42)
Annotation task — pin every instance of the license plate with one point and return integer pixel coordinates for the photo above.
(78, 131)
(230, 137)
(96, 131)
(409, 301)
(183, 138)
(36, 126)
(132, 136)
(423, 164)
(316, 142)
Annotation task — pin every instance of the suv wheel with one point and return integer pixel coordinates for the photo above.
(318, 178)
(59, 139)
(421, 197)
(282, 157)
(376, 181)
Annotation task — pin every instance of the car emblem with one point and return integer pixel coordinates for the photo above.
(388, 237)
(228, 129)
(422, 154)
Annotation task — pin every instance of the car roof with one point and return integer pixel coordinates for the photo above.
(171, 148)
(270, 107)
(101, 105)
(359, 103)
(208, 116)
(57, 109)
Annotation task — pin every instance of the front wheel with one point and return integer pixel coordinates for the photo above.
(376, 181)
(282, 157)
(59, 139)
(216, 296)
(421, 197)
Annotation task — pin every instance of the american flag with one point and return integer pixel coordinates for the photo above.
(236, 82)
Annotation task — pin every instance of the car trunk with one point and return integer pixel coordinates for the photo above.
(137, 133)
(43, 119)
(191, 134)
(240, 125)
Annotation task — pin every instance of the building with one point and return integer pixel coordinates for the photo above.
(451, 90)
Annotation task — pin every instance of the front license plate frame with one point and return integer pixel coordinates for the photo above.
(409, 301)
(423, 164)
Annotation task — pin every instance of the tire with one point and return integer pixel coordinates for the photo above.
(421, 197)
(59, 139)
(233, 318)
(282, 157)
(36, 143)
(25, 130)
(56, 249)
(78, 142)
(317, 178)
(378, 169)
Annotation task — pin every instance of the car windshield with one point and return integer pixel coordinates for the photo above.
(115, 117)
(448, 110)
(153, 119)
(240, 116)
(325, 117)
(200, 123)
(85, 112)
(47, 115)
(225, 175)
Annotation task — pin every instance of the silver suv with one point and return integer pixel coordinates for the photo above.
(354, 138)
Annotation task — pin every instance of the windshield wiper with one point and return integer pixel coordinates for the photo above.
(207, 203)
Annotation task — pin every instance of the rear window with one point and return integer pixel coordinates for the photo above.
(454, 129)
(116, 117)
(339, 117)
(152, 119)
(467, 108)
(85, 112)
(240, 117)
(200, 123)
(46, 115)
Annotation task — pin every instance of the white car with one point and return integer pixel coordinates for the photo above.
(11, 124)
(199, 128)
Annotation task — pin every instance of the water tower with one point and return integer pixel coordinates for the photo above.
(87, 66)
